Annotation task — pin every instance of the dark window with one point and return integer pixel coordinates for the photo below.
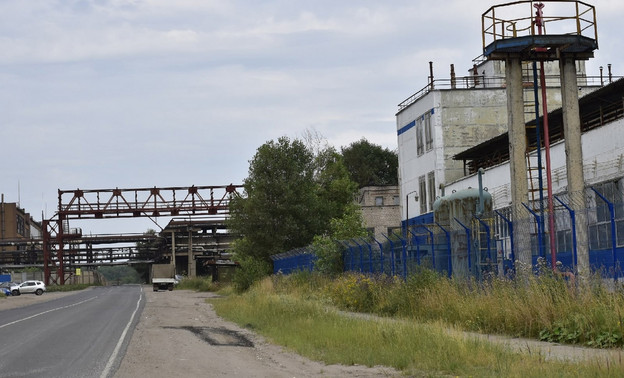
(21, 227)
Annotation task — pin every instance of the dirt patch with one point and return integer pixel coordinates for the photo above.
(179, 334)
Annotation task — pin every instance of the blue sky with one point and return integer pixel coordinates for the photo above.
(142, 93)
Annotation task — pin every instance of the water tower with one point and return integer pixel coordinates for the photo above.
(538, 32)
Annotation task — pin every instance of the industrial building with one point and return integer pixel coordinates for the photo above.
(557, 179)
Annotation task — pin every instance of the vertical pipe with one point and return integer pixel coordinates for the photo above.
(431, 85)
(551, 214)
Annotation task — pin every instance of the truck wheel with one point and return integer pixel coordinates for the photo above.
(170, 287)
(155, 287)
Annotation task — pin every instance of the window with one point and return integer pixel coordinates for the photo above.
(422, 184)
(600, 231)
(419, 137)
(21, 227)
(379, 201)
(428, 132)
(395, 200)
(432, 188)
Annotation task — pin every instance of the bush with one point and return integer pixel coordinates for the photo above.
(251, 270)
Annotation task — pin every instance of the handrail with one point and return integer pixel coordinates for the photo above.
(578, 13)
(481, 81)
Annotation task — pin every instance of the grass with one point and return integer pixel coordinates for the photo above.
(198, 284)
(289, 313)
(542, 307)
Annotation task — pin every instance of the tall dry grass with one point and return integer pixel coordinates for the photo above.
(294, 312)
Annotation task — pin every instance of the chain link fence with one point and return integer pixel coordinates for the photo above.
(573, 237)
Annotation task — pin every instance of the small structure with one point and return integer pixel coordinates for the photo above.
(381, 209)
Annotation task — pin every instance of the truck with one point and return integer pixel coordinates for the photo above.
(163, 277)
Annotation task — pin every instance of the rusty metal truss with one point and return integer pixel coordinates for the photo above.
(123, 203)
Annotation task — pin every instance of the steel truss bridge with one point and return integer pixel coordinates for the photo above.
(64, 248)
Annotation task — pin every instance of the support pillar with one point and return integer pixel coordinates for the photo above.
(173, 248)
(192, 268)
(517, 154)
(574, 158)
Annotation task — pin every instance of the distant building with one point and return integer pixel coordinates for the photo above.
(381, 209)
(16, 226)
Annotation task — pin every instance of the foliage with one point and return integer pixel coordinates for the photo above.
(292, 193)
(149, 248)
(326, 248)
(282, 309)
(279, 210)
(370, 164)
(546, 307)
(251, 270)
(120, 274)
(198, 284)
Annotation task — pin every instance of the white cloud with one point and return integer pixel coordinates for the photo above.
(159, 92)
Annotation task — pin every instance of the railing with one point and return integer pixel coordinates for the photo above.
(483, 82)
(559, 17)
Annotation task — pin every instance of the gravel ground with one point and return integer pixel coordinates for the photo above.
(179, 334)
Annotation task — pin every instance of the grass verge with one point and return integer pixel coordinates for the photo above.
(307, 325)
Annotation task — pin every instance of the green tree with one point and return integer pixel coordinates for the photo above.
(291, 195)
(327, 248)
(370, 164)
(279, 209)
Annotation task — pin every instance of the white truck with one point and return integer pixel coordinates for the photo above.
(163, 277)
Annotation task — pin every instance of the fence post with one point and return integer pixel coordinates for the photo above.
(511, 238)
(381, 256)
(573, 221)
(391, 253)
(348, 247)
(417, 247)
(370, 255)
(361, 255)
(403, 254)
(448, 245)
(467, 243)
(540, 231)
(432, 245)
(613, 235)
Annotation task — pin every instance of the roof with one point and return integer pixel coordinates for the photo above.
(596, 109)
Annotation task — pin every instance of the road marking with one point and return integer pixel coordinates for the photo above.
(113, 356)
(48, 311)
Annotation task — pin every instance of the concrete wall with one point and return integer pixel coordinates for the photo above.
(380, 217)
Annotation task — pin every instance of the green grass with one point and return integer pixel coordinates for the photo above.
(544, 307)
(198, 284)
(306, 324)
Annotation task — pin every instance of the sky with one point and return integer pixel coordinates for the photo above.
(140, 93)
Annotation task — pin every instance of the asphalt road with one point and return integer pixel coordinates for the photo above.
(80, 335)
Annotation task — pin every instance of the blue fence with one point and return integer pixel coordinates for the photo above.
(486, 245)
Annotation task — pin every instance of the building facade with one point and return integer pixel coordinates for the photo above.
(450, 116)
(381, 209)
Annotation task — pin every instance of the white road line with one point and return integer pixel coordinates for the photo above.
(113, 356)
(45, 312)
